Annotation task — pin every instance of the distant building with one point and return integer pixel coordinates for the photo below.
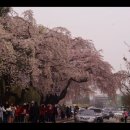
(118, 102)
(101, 101)
(83, 100)
(68, 103)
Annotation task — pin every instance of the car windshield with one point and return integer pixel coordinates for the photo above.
(119, 111)
(97, 110)
(87, 112)
(105, 111)
(82, 109)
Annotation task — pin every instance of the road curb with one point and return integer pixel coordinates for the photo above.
(66, 120)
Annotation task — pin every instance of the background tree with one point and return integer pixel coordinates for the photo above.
(125, 82)
(4, 11)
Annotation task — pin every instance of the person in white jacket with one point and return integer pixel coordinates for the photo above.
(2, 109)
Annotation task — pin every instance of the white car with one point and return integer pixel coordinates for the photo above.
(88, 116)
(118, 113)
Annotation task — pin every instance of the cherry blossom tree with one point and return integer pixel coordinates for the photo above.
(49, 60)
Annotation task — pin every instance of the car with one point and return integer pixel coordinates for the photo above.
(128, 113)
(88, 116)
(118, 113)
(78, 110)
(82, 109)
(111, 114)
(98, 111)
(106, 114)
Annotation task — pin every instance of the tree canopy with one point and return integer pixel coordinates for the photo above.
(49, 60)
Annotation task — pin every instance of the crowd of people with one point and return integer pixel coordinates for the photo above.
(33, 113)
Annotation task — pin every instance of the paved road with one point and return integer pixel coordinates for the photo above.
(111, 120)
(114, 120)
(71, 120)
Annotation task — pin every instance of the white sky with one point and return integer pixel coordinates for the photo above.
(108, 27)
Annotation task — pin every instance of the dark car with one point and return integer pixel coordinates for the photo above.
(106, 114)
(111, 114)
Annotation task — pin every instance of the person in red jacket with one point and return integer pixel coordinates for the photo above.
(42, 112)
(54, 113)
(49, 112)
(125, 114)
(17, 114)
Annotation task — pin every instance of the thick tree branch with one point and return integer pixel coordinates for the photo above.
(122, 92)
(64, 91)
(29, 32)
(128, 90)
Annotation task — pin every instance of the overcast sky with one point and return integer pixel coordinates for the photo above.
(108, 27)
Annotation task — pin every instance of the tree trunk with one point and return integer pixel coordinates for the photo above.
(22, 98)
(54, 99)
(51, 99)
(1, 90)
(41, 99)
(9, 94)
